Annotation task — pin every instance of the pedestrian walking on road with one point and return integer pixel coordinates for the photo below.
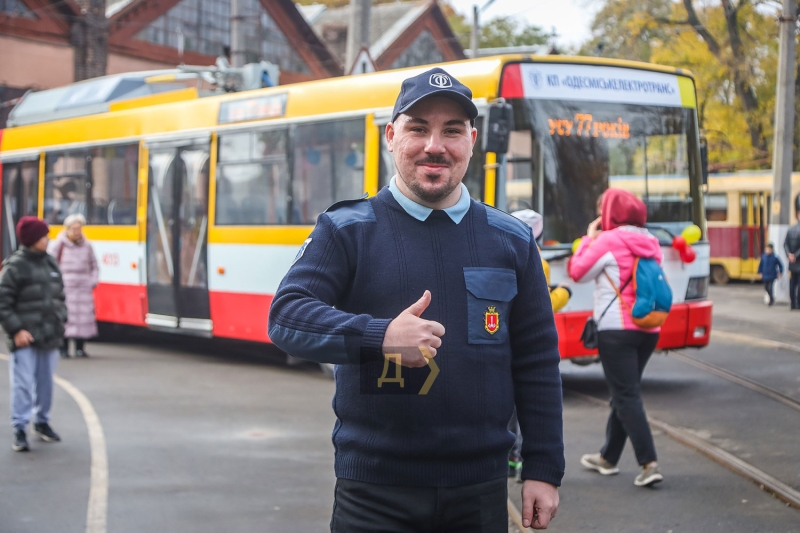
(452, 290)
(32, 313)
(607, 255)
(792, 247)
(78, 264)
(769, 269)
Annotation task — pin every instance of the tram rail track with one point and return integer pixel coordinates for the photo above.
(738, 379)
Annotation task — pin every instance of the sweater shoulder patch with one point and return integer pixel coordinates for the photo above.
(349, 212)
(507, 223)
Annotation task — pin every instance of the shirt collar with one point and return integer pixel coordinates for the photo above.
(421, 213)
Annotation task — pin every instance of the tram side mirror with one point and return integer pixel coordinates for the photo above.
(498, 128)
(704, 162)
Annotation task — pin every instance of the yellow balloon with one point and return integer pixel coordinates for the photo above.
(575, 244)
(692, 234)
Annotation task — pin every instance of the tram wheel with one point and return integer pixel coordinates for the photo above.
(719, 275)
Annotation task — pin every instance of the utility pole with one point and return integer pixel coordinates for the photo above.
(238, 58)
(783, 141)
(357, 31)
(473, 38)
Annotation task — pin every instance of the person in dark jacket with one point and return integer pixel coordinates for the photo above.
(792, 247)
(32, 313)
(769, 269)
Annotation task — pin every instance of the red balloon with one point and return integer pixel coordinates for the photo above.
(679, 243)
(688, 255)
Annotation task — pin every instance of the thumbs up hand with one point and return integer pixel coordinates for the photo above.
(408, 330)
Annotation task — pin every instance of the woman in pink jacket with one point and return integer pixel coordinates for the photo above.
(606, 256)
(76, 258)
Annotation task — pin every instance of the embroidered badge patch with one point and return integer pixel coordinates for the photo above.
(491, 320)
(302, 250)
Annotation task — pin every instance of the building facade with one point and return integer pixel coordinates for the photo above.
(51, 43)
(402, 34)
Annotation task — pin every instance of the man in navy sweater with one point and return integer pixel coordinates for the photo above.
(422, 271)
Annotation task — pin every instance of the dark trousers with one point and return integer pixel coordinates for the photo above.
(768, 285)
(368, 508)
(794, 289)
(624, 355)
(79, 344)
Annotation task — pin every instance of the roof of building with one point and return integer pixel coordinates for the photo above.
(387, 23)
(127, 17)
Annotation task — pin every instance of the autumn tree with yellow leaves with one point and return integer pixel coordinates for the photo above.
(732, 49)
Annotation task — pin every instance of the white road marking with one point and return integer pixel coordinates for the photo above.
(97, 510)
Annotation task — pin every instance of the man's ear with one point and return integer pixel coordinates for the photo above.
(474, 133)
(390, 136)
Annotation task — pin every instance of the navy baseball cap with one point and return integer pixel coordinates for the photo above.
(435, 82)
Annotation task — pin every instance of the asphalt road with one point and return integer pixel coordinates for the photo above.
(206, 437)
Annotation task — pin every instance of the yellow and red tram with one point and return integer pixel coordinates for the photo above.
(738, 207)
(196, 206)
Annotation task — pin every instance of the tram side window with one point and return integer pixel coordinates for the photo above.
(99, 183)
(114, 185)
(716, 207)
(328, 167)
(253, 178)
(65, 184)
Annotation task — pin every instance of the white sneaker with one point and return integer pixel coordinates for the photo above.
(596, 462)
(649, 476)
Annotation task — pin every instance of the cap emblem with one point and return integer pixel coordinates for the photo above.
(442, 81)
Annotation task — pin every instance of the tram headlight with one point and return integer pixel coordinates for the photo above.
(698, 288)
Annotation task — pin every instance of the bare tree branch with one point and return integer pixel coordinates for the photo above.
(744, 90)
(671, 22)
(694, 22)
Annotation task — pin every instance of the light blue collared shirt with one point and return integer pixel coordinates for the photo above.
(421, 213)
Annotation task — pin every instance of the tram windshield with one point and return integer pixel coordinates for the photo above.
(564, 154)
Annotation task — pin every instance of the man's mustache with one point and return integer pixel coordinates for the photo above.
(434, 160)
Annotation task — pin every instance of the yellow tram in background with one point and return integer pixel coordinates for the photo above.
(738, 208)
(197, 204)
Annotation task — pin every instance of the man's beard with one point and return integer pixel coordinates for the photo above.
(436, 196)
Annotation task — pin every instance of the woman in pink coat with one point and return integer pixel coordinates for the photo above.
(76, 258)
(607, 255)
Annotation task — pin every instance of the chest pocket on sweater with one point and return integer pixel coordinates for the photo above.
(489, 295)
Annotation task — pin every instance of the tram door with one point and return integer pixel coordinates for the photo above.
(20, 198)
(754, 229)
(177, 230)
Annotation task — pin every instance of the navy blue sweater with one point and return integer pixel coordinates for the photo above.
(366, 262)
(770, 266)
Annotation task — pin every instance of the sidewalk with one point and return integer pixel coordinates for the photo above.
(739, 308)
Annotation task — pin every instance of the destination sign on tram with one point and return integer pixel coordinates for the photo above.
(584, 125)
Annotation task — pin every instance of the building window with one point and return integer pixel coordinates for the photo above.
(100, 183)
(716, 207)
(423, 51)
(328, 167)
(253, 179)
(15, 8)
(204, 27)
